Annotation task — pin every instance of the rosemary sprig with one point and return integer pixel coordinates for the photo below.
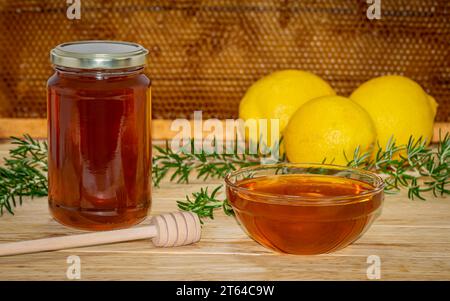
(212, 164)
(24, 173)
(413, 166)
(204, 203)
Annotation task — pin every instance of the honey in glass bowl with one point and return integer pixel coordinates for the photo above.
(305, 208)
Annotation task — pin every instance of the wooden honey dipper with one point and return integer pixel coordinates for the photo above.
(167, 230)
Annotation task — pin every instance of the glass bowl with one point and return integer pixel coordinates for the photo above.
(304, 208)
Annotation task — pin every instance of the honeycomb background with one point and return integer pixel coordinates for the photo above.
(205, 54)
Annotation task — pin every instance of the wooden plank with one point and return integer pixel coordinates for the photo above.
(19, 126)
(412, 239)
(161, 128)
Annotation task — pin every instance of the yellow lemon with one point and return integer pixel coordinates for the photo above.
(280, 94)
(328, 128)
(399, 108)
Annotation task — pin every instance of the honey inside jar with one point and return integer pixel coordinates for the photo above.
(305, 213)
(99, 156)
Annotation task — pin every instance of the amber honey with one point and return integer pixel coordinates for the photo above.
(305, 213)
(99, 157)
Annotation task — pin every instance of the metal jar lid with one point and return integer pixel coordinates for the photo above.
(98, 55)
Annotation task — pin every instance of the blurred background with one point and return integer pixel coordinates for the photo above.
(205, 54)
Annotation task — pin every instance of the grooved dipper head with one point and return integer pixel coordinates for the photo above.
(176, 229)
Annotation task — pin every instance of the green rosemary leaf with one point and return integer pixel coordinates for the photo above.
(23, 173)
(403, 165)
(206, 164)
(227, 208)
(202, 203)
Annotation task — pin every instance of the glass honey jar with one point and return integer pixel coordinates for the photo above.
(99, 140)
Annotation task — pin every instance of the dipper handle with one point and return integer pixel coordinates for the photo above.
(167, 230)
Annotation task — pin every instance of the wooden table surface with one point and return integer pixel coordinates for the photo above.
(411, 238)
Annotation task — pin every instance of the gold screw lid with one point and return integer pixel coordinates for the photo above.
(98, 55)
